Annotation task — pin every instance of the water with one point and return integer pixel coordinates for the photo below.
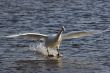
(83, 55)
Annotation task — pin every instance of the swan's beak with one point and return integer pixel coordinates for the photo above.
(63, 28)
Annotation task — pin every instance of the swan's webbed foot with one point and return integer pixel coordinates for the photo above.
(50, 55)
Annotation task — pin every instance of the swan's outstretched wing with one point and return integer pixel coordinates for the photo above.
(78, 34)
(31, 36)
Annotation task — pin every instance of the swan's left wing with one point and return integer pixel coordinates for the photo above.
(31, 36)
(78, 34)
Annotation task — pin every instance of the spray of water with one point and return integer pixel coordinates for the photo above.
(40, 48)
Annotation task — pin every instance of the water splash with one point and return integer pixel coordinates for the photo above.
(40, 48)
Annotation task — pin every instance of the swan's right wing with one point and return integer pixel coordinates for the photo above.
(31, 36)
(78, 34)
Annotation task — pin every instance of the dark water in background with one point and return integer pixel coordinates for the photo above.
(84, 55)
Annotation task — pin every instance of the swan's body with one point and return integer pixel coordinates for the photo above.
(52, 41)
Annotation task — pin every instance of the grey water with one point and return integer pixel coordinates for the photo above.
(82, 55)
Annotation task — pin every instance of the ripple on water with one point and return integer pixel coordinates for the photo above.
(84, 55)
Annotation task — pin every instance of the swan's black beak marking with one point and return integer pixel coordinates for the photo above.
(63, 28)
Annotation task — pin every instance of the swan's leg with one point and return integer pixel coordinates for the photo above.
(49, 55)
(58, 52)
(47, 51)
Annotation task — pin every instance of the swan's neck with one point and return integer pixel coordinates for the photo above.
(59, 35)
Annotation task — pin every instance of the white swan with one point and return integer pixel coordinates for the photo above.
(53, 41)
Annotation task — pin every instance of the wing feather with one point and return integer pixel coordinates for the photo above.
(76, 34)
(31, 36)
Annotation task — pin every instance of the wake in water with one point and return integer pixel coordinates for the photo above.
(40, 48)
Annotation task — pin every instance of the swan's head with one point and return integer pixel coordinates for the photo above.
(63, 28)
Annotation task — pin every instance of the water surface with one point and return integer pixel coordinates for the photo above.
(83, 55)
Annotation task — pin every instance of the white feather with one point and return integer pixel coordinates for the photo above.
(76, 34)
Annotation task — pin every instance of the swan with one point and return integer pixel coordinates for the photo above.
(53, 41)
